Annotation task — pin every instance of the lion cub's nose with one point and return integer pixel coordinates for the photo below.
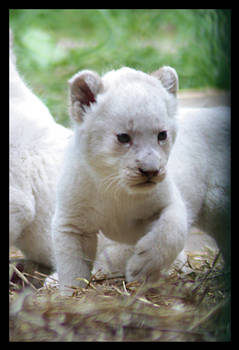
(149, 173)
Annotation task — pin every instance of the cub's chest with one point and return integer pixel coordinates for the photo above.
(125, 222)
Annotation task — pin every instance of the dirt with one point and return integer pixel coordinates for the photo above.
(204, 98)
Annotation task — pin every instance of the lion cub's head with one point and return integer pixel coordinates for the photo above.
(124, 123)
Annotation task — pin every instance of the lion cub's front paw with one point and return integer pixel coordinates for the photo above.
(144, 264)
(140, 267)
(151, 258)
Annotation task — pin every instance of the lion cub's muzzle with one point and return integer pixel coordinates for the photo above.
(150, 176)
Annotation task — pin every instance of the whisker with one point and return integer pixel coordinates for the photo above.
(110, 182)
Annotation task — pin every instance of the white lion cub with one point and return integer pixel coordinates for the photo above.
(119, 177)
(37, 145)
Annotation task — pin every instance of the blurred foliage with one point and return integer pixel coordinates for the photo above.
(52, 45)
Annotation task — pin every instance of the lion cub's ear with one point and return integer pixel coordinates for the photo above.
(168, 77)
(84, 86)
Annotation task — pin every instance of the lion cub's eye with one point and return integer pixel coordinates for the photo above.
(123, 138)
(162, 135)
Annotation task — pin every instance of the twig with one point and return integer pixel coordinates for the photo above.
(23, 277)
(207, 274)
(88, 283)
(209, 314)
(124, 287)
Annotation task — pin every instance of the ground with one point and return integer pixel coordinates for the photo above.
(180, 307)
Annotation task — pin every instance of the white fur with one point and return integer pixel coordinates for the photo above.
(101, 187)
(37, 145)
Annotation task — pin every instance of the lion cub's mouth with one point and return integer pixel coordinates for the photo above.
(147, 183)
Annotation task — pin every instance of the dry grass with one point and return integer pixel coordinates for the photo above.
(181, 307)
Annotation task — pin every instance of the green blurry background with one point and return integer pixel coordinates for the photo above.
(52, 45)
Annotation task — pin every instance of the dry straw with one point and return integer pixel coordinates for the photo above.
(192, 306)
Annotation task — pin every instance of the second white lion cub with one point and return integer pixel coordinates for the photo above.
(116, 176)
